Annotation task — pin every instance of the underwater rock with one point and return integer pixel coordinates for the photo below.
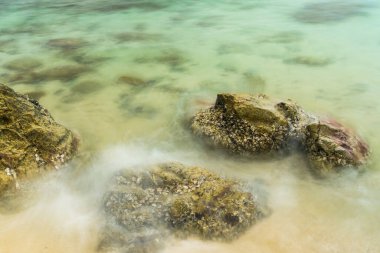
(31, 141)
(233, 48)
(63, 73)
(84, 59)
(86, 87)
(137, 37)
(66, 43)
(243, 124)
(132, 80)
(329, 11)
(309, 61)
(173, 199)
(23, 64)
(283, 37)
(331, 147)
(112, 6)
(173, 58)
(255, 81)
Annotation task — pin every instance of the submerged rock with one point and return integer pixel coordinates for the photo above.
(66, 43)
(31, 141)
(330, 147)
(62, 73)
(283, 37)
(23, 64)
(243, 124)
(132, 80)
(329, 11)
(115, 6)
(86, 87)
(138, 37)
(146, 207)
(309, 61)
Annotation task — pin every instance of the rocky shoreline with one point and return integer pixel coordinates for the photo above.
(144, 207)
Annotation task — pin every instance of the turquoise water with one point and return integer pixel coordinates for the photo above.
(126, 74)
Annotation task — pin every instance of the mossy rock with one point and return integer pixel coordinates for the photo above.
(31, 141)
(244, 124)
(255, 125)
(181, 201)
(331, 147)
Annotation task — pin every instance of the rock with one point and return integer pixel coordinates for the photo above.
(66, 43)
(63, 73)
(329, 11)
(132, 80)
(243, 124)
(254, 124)
(309, 61)
(173, 199)
(86, 87)
(23, 64)
(283, 37)
(330, 147)
(31, 141)
(254, 81)
(138, 37)
(116, 6)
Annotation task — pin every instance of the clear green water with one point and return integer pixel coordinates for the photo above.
(177, 56)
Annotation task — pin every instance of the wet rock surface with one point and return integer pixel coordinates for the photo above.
(309, 61)
(31, 141)
(255, 124)
(171, 199)
(331, 146)
(243, 124)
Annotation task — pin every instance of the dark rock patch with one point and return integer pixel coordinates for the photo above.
(23, 64)
(329, 11)
(138, 37)
(66, 43)
(86, 87)
(309, 61)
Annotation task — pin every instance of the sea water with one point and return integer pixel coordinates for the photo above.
(146, 66)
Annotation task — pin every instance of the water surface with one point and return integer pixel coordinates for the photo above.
(125, 75)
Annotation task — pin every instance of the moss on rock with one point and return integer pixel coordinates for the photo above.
(180, 200)
(254, 124)
(243, 124)
(31, 141)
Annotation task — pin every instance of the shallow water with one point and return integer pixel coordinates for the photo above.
(145, 66)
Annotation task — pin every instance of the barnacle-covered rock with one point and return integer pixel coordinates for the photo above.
(31, 142)
(330, 147)
(173, 199)
(255, 124)
(245, 124)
